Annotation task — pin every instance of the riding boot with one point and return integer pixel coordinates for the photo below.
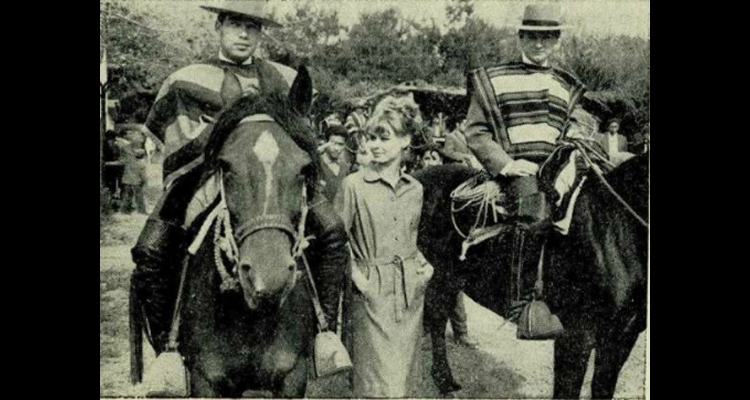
(156, 275)
(158, 255)
(521, 282)
(329, 257)
(527, 307)
(531, 216)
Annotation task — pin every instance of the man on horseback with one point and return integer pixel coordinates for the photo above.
(518, 112)
(183, 117)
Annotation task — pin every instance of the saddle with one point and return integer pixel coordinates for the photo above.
(528, 208)
(498, 205)
(533, 203)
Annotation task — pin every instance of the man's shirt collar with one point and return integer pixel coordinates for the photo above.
(527, 61)
(225, 59)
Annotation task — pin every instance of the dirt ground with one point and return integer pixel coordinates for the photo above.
(501, 366)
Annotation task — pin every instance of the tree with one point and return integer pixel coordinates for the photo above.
(307, 33)
(385, 47)
(616, 69)
(459, 11)
(147, 45)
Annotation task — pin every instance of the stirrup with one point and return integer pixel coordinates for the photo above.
(329, 355)
(537, 322)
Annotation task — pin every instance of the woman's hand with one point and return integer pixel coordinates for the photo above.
(361, 283)
(426, 271)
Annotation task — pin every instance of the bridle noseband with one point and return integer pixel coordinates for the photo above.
(226, 239)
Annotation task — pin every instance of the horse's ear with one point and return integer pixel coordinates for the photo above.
(301, 93)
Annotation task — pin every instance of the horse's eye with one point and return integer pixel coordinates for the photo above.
(227, 173)
(223, 166)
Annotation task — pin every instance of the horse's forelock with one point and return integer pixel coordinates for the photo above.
(278, 107)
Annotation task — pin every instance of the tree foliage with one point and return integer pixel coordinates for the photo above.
(383, 48)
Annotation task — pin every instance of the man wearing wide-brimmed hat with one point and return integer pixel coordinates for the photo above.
(182, 118)
(192, 97)
(517, 114)
(534, 100)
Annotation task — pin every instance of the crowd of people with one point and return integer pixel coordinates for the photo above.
(367, 160)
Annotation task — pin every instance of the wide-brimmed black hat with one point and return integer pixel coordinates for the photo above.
(252, 9)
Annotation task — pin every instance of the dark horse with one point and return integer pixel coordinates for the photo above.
(259, 160)
(595, 277)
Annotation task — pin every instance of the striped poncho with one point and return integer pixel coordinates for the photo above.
(191, 98)
(517, 111)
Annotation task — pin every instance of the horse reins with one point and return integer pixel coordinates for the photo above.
(474, 194)
(599, 174)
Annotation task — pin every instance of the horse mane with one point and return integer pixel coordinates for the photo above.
(278, 107)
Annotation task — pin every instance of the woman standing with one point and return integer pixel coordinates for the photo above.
(381, 206)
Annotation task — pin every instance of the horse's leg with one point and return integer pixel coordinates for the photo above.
(572, 351)
(436, 316)
(294, 384)
(611, 354)
(200, 386)
(208, 375)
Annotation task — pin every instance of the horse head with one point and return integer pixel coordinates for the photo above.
(263, 150)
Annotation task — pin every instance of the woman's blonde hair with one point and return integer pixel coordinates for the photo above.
(399, 115)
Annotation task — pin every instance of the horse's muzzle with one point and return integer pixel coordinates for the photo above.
(257, 297)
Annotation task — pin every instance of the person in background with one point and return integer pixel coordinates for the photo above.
(438, 128)
(150, 147)
(134, 179)
(335, 167)
(456, 148)
(431, 157)
(615, 144)
(356, 154)
(457, 318)
(113, 168)
(641, 140)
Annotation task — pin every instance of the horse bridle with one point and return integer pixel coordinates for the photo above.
(226, 238)
(583, 147)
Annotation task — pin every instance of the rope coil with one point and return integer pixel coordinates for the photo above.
(486, 196)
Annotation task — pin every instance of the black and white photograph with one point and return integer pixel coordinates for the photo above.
(374, 199)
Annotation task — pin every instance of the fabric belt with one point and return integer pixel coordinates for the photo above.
(400, 287)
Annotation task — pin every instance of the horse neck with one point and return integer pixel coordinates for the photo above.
(606, 248)
(630, 181)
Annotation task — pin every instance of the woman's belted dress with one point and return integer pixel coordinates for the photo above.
(382, 223)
